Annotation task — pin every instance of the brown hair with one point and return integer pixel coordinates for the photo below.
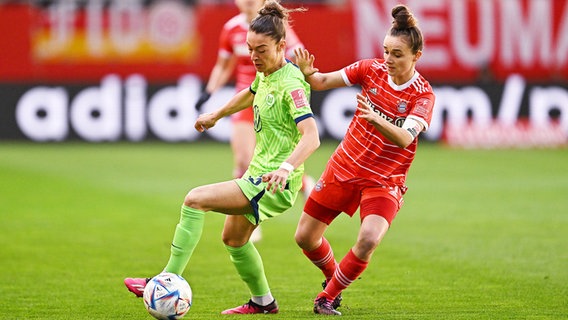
(405, 24)
(272, 20)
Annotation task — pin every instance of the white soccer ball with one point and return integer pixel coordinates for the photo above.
(167, 296)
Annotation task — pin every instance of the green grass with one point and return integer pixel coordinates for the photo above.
(482, 235)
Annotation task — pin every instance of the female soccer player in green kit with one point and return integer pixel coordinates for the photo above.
(286, 135)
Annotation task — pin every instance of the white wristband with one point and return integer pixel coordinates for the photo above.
(287, 166)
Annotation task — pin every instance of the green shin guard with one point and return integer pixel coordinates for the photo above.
(187, 235)
(249, 265)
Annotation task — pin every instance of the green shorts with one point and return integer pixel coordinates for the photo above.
(264, 203)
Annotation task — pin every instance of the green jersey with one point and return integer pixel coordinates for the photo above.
(281, 101)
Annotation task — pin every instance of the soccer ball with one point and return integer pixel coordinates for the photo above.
(167, 296)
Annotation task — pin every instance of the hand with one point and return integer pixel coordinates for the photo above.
(366, 110)
(205, 121)
(305, 61)
(276, 180)
(202, 99)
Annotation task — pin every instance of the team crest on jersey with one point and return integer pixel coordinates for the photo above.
(373, 91)
(319, 185)
(270, 99)
(401, 106)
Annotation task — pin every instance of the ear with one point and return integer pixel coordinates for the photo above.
(282, 45)
(417, 55)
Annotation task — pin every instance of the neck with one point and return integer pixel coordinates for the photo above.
(276, 68)
(403, 78)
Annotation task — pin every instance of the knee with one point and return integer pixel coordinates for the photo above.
(305, 241)
(365, 247)
(233, 240)
(194, 199)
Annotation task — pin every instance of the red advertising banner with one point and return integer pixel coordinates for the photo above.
(466, 41)
(109, 70)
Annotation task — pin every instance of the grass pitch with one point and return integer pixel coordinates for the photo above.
(482, 235)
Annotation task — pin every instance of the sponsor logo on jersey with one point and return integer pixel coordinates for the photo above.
(299, 98)
(422, 107)
(373, 91)
(396, 121)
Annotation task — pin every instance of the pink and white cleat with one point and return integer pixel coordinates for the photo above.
(136, 285)
(251, 307)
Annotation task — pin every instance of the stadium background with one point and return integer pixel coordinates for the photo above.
(482, 234)
(109, 70)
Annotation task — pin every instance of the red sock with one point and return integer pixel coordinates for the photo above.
(349, 269)
(323, 258)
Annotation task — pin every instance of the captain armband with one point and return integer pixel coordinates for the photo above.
(413, 127)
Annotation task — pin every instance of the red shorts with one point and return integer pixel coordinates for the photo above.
(245, 115)
(330, 197)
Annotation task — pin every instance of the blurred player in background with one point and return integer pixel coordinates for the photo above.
(368, 169)
(287, 135)
(234, 56)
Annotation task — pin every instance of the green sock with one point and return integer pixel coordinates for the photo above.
(187, 235)
(249, 265)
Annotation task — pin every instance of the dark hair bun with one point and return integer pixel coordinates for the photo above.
(403, 18)
(273, 8)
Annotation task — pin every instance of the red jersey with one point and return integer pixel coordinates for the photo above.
(365, 156)
(233, 42)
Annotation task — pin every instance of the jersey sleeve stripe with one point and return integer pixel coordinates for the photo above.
(303, 117)
(345, 78)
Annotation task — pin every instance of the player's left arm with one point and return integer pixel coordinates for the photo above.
(308, 143)
(401, 136)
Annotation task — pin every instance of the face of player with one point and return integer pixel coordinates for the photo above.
(266, 55)
(399, 59)
(249, 7)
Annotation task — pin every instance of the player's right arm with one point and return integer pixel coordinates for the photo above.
(318, 81)
(219, 77)
(221, 73)
(240, 101)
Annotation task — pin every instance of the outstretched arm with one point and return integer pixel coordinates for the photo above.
(240, 101)
(318, 81)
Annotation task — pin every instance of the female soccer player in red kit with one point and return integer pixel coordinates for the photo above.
(368, 169)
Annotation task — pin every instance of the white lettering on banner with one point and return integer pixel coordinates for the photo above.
(41, 114)
(62, 18)
(222, 129)
(100, 114)
(543, 102)
(528, 34)
(562, 44)
(435, 29)
(468, 104)
(135, 108)
(126, 25)
(171, 111)
(511, 101)
(370, 28)
(95, 113)
(118, 26)
(467, 53)
(337, 110)
(508, 33)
